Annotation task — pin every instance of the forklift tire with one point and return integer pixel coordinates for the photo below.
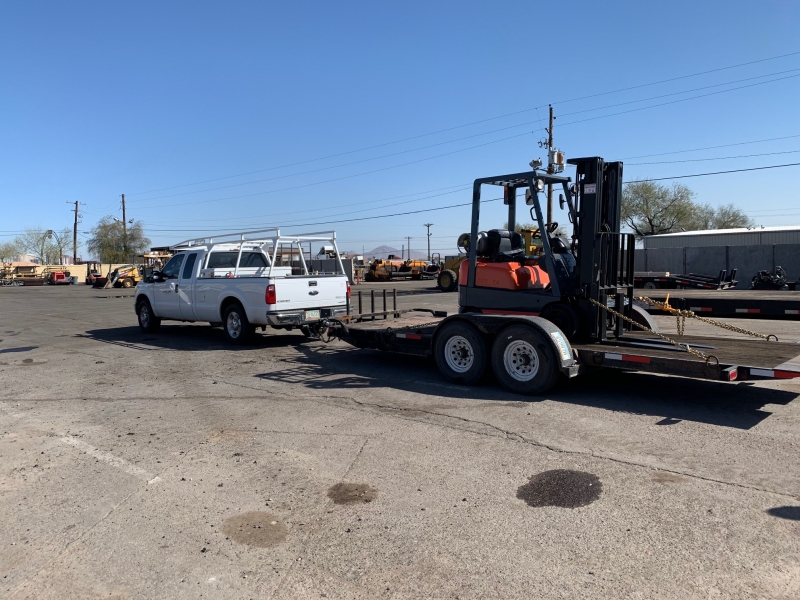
(564, 317)
(447, 281)
(148, 322)
(523, 361)
(237, 328)
(127, 283)
(460, 353)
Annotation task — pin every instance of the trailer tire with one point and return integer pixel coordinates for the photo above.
(447, 281)
(564, 317)
(148, 322)
(460, 353)
(237, 328)
(650, 285)
(523, 361)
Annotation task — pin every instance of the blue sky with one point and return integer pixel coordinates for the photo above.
(220, 116)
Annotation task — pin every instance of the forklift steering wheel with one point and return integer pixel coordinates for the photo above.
(551, 227)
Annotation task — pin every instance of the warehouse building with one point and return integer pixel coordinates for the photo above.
(710, 252)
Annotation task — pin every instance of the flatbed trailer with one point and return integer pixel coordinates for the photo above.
(656, 280)
(747, 304)
(421, 333)
(535, 319)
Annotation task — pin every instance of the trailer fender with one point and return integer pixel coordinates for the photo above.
(492, 325)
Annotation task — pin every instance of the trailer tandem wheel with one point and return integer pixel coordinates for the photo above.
(523, 360)
(460, 353)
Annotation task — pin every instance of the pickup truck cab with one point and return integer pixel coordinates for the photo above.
(243, 283)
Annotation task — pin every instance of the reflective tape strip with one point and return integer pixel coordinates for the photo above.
(628, 358)
(700, 308)
(786, 374)
(762, 372)
(791, 312)
(409, 336)
(748, 310)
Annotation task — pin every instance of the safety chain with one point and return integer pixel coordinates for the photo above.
(686, 347)
(682, 315)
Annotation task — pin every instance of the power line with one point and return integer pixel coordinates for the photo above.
(669, 162)
(372, 147)
(785, 137)
(714, 173)
(527, 123)
(340, 178)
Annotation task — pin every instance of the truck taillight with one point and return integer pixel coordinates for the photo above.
(348, 288)
(269, 297)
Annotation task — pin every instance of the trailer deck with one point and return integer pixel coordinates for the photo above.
(729, 358)
(752, 304)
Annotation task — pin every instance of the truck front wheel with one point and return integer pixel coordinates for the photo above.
(148, 322)
(523, 361)
(460, 353)
(237, 328)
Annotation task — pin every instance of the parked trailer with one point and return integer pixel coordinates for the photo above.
(652, 281)
(741, 304)
(583, 289)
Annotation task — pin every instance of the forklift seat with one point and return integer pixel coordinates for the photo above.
(503, 245)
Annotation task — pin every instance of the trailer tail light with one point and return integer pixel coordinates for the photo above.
(348, 288)
(270, 297)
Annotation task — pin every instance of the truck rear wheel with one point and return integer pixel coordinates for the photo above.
(460, 353)
(237, 328)
(148, 322)
(523, 361)
(447, 281)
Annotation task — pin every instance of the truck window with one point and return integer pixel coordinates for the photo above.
(173, 267)
(227, 260)
(187, 270)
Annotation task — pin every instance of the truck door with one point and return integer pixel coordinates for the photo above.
(186, 288)
(165, 293)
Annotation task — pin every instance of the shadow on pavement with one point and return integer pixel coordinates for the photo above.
(673, 399)
(18, 349)
(193, 338)
(791, 513)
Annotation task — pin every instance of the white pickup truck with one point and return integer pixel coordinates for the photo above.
(241, 281)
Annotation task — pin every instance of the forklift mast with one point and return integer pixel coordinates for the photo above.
(604, 255)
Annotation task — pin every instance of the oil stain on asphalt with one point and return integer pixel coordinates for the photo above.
(664, 477)
(352, 493)
(561, 487)
(256, 528)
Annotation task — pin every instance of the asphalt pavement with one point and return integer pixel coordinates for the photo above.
(172, 465)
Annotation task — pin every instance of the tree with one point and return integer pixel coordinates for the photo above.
(36, 241)
(59, 241)
(650, 209)
(8, 250)
(110, 244)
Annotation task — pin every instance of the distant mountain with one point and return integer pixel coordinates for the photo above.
(385, 251)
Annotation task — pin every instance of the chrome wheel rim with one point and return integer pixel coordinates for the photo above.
(234, 325)
(521, 361)
(458, 354)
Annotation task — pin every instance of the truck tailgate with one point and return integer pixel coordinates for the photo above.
(310, 291)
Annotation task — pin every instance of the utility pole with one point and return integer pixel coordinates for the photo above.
(125, 230)
(550, 167)
(428, 225)
(75, 234)
(409, 247)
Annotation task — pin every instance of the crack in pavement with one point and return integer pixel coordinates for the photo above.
(509, 435)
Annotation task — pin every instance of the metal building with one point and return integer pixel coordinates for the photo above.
(756, 236)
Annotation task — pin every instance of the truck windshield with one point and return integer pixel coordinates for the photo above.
(227, 260)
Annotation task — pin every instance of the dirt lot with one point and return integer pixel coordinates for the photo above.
(171, 465)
